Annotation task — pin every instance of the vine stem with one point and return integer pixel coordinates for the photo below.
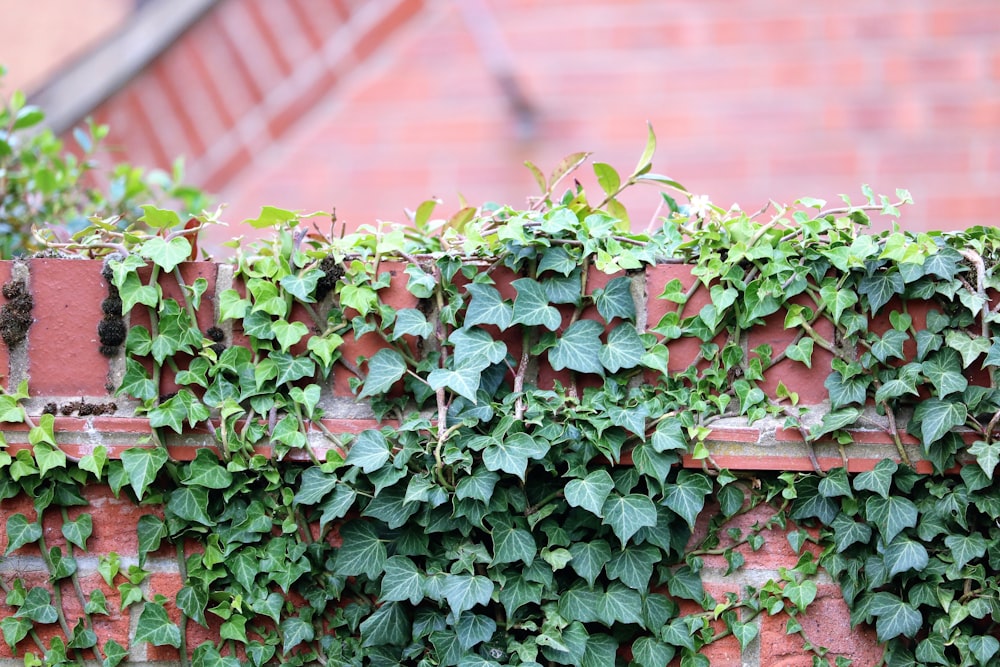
(182, 571)
(75, 579)
(56, 584)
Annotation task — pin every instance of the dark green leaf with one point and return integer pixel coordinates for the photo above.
(579, 348)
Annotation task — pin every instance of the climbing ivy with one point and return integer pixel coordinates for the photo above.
(520, 499)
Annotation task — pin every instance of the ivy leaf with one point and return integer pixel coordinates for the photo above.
(619, 604)
(970, 348)
(877, 479)
(589, 559)
(845, 391)
(511, 543)
(385, 368)
(465, 591)
(624, 349)
(590, 492)
(370, 451)
(687, 496)
(302, 286)
(288, 333)
(474, 629)
(634, 566)
(192, 600)
(159, 218)
(837, 300)
(904, 554)
(880, 287)
(38, 607)
(519, 591)
(291, 368)
(156, 627)
(615, 300)
(579, 348)
(477, 486)
(464, 381)
(601, 651)
(580, 604)
(402, 581)
(945, 372)
(475, 348)
(14, 629)
(511, 453)
(984, 647)
(389, 625)
(314, 484)
(190, 504)
(987, 455)
(487, 307)
(76, 532)
(362, 552)
(801, 594)
(801, 351)
(889, 346)
(231, 305)
(166, 254)
(891, 515)
(205, 471)
(141, 466)
(894, 617)
(650, 652)
(966, 548)
(294, 631)
(531, 307)
(207, 655)
(136, 382)
(411, 322)
(627, 514)
(937, 417)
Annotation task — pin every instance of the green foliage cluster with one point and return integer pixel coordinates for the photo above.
(47, 188)
(498, 518)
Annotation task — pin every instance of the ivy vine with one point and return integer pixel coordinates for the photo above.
(500, 513)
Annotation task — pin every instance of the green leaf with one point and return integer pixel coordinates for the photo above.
(205, 471)
(190, 504)
(878, 479)
(388, 626)
(362, 552)
(465, 591)
(650, 652)
(477, 486)
(591, 492)
(686, 496)
(462, 380)
(159, 218)
(891, 515)
(987, 455)
(156, 627)
(634, 566)
(837, 300)
(402, 581)
(14, 629)
(166, 254)
(800, 594)
(894, 617)
(474, 629)
(579, 348)
(519, 591)
(475, 348)
(97, 603)
(971, 348)
(619, 604)
(271, 217)
(937, 417)
(288, 333)
(38, 607)
(142, 465)
(944, 371)
(192, 600)
(294, 631)
(745, 633)
(487, 307)
(231, 305)
(76, 532)
(880, 287)
(627, 514)
(511, 453)
(966, 548)
(314, 484)
(607, 178)
(136, 382)
(370, 451)
(531, 307)
(385, 369)
(589, 559)
(511, 543)
(904, 554)
(984, 647)
(601, 651)
(624, 349)
(291, 368)
(615, 300)
(302, 286)
(411, 322)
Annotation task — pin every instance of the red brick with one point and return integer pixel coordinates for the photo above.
(827, 623)
(68, 297)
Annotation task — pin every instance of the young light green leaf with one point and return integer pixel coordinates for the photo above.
(164, 254)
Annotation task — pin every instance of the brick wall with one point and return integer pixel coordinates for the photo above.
(372, 107)
(61, 359)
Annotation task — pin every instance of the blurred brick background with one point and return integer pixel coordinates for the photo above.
(371, 106)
